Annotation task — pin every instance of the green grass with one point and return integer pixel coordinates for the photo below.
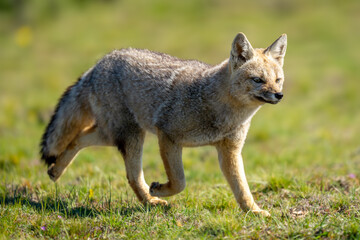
(301, 157)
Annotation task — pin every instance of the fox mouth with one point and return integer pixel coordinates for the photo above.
(261, 99)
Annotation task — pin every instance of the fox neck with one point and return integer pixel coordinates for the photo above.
(218, 97)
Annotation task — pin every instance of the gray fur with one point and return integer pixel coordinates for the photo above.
(179, 97)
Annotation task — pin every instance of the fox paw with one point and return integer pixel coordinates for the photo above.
(261, 212)
(53, 174)
(154, 201)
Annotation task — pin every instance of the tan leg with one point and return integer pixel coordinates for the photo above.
(132, 153)
(89, 137)
(171, 154)
(231, 164)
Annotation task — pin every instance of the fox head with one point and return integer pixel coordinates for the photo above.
(257, 76)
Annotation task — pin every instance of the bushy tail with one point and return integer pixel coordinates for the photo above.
(71, 116)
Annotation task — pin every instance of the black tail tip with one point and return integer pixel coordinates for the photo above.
(48, 159)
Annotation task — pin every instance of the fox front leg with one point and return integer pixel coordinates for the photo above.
(171, 154)
(232, 166)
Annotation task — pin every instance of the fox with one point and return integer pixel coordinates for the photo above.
(186, 103)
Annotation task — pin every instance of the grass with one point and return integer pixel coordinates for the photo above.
(302, 156)
(317, 208)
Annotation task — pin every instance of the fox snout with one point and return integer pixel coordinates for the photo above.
(279, 95)
(269, 97)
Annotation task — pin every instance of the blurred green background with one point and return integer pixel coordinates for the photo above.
(315, 130)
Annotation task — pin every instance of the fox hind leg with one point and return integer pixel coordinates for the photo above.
(130, 144)
(88, 137)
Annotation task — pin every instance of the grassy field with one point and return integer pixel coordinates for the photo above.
(302, 156)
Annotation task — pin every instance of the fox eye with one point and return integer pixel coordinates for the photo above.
(278, 80)
(258, 80)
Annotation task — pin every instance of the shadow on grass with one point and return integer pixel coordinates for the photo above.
(65, 206)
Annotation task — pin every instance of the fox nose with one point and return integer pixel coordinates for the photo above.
(279, 95)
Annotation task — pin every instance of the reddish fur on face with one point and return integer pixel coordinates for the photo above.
(261, 66)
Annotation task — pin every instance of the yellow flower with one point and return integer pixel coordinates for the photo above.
(23, 36)
(91, 194)
(178, 223)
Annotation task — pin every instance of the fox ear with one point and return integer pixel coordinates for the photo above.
(241, 51)
(277, 50)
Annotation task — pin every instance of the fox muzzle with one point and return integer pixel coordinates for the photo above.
(269, 97)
